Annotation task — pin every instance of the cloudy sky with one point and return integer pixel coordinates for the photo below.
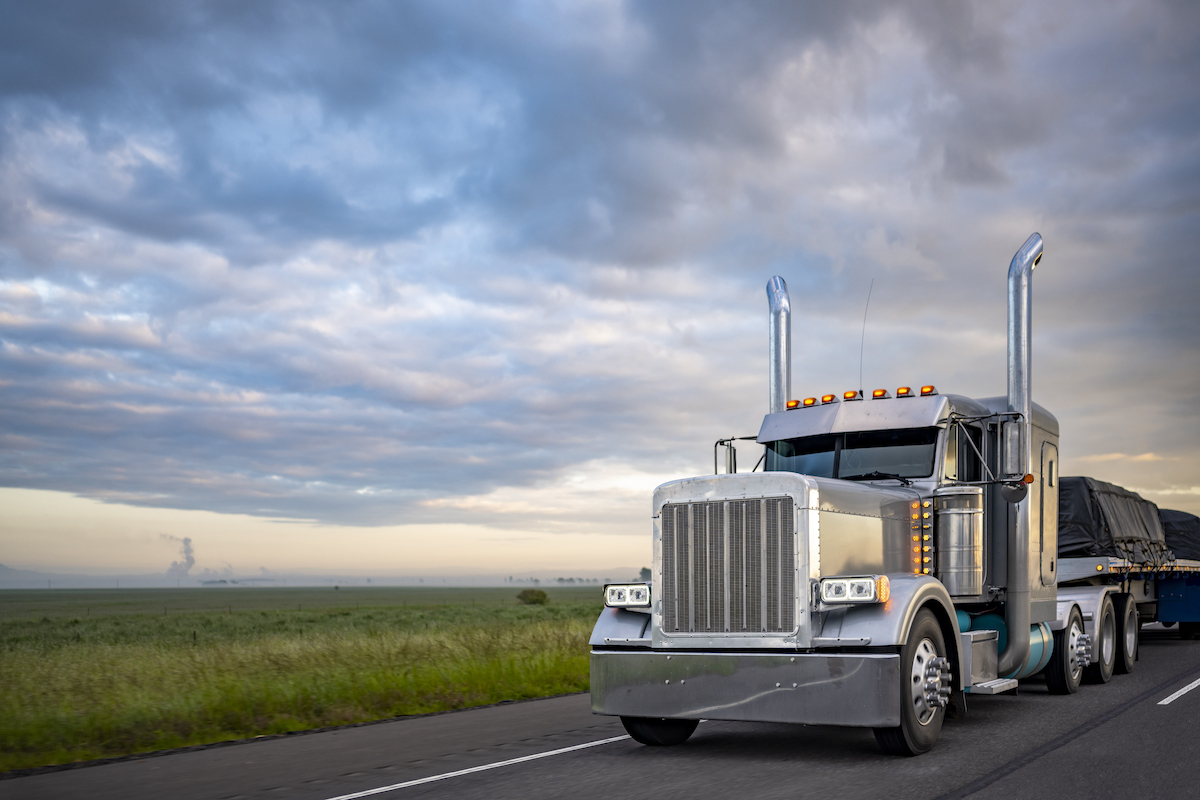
(450, 287)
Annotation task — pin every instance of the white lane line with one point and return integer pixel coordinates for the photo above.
(1180, 693)
(485, 767)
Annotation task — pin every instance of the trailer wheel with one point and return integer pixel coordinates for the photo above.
(659, 732)
(1189, 630)
(1104, 643)
(1065, 670)
(925, 685)
(1127, 633)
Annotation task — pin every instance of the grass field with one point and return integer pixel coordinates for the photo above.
(92, 673)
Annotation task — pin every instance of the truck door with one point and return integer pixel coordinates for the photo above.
(1049, 509)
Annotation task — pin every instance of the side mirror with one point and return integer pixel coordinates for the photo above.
(1016, 491)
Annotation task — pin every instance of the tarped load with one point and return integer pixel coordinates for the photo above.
(1182, 531)
(1099, 519)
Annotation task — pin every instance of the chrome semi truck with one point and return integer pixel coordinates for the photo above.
(896, 553)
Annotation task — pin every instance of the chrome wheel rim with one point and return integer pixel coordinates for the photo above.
(1073, 649)
(925, 651)
(1131, 634)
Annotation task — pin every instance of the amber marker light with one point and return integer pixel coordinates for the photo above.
(880, 394)
(1028, 478)
(883, 589)
(829, 398)
(904, 391)
(810, 401)
(852, 395)
(793, 404)
(928, 391)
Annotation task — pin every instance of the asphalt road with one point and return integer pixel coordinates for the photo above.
(1114, 740)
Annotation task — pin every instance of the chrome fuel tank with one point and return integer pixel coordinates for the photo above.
(959, 529)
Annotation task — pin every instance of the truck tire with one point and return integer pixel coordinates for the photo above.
(1189, 630)
(1128, 629)
(1104, 643)
(920, 722)
(659, 732)
(1065, 671)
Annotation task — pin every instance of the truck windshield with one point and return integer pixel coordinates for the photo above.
(857, 456)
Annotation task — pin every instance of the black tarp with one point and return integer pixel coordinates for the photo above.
(1182, 531)
(1099, 519)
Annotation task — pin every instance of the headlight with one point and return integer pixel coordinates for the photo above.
(627, 595)
(873, 589)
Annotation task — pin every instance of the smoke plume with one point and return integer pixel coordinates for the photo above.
(180, 569)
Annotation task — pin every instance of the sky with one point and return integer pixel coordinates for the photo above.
(450, 287)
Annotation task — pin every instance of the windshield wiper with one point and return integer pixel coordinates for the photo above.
(873, 476)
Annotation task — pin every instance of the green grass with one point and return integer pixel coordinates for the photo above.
(90, 674)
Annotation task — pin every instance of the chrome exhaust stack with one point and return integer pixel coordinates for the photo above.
(780, 324)
(1020, 401)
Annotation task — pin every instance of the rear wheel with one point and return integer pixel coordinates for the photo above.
(659, 732)
(1065, 670)
(925, 686)
(1128, 628)
(1104, 642)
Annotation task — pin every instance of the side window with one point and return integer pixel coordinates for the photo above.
(950, 463)
(969, 466)
(961, 462)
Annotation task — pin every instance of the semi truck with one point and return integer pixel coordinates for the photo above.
(895, 553)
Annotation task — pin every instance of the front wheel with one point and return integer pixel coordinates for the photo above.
(925, 686)
(659, 732)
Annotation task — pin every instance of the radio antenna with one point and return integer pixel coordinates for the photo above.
(862, 343)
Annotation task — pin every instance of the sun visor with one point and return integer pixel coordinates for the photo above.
(856, 415)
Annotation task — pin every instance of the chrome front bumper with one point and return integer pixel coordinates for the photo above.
(861, 690)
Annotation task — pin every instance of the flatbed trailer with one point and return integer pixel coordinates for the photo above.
(1166, 592)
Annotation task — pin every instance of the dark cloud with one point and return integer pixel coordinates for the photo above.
(356, 263)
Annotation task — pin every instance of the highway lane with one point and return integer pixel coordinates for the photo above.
(1105, 741)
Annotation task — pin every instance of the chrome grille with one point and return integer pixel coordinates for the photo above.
(729, 566)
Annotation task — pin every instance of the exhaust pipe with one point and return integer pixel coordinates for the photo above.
(1020, 401)
(781, 343)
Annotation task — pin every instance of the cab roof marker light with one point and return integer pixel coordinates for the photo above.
(880, 394)
(793, 404)
(928, 391)
(851, 395)
(826, 399)
(905, 391)
(810, 401)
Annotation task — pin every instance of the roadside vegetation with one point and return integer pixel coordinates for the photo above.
(132, 674)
